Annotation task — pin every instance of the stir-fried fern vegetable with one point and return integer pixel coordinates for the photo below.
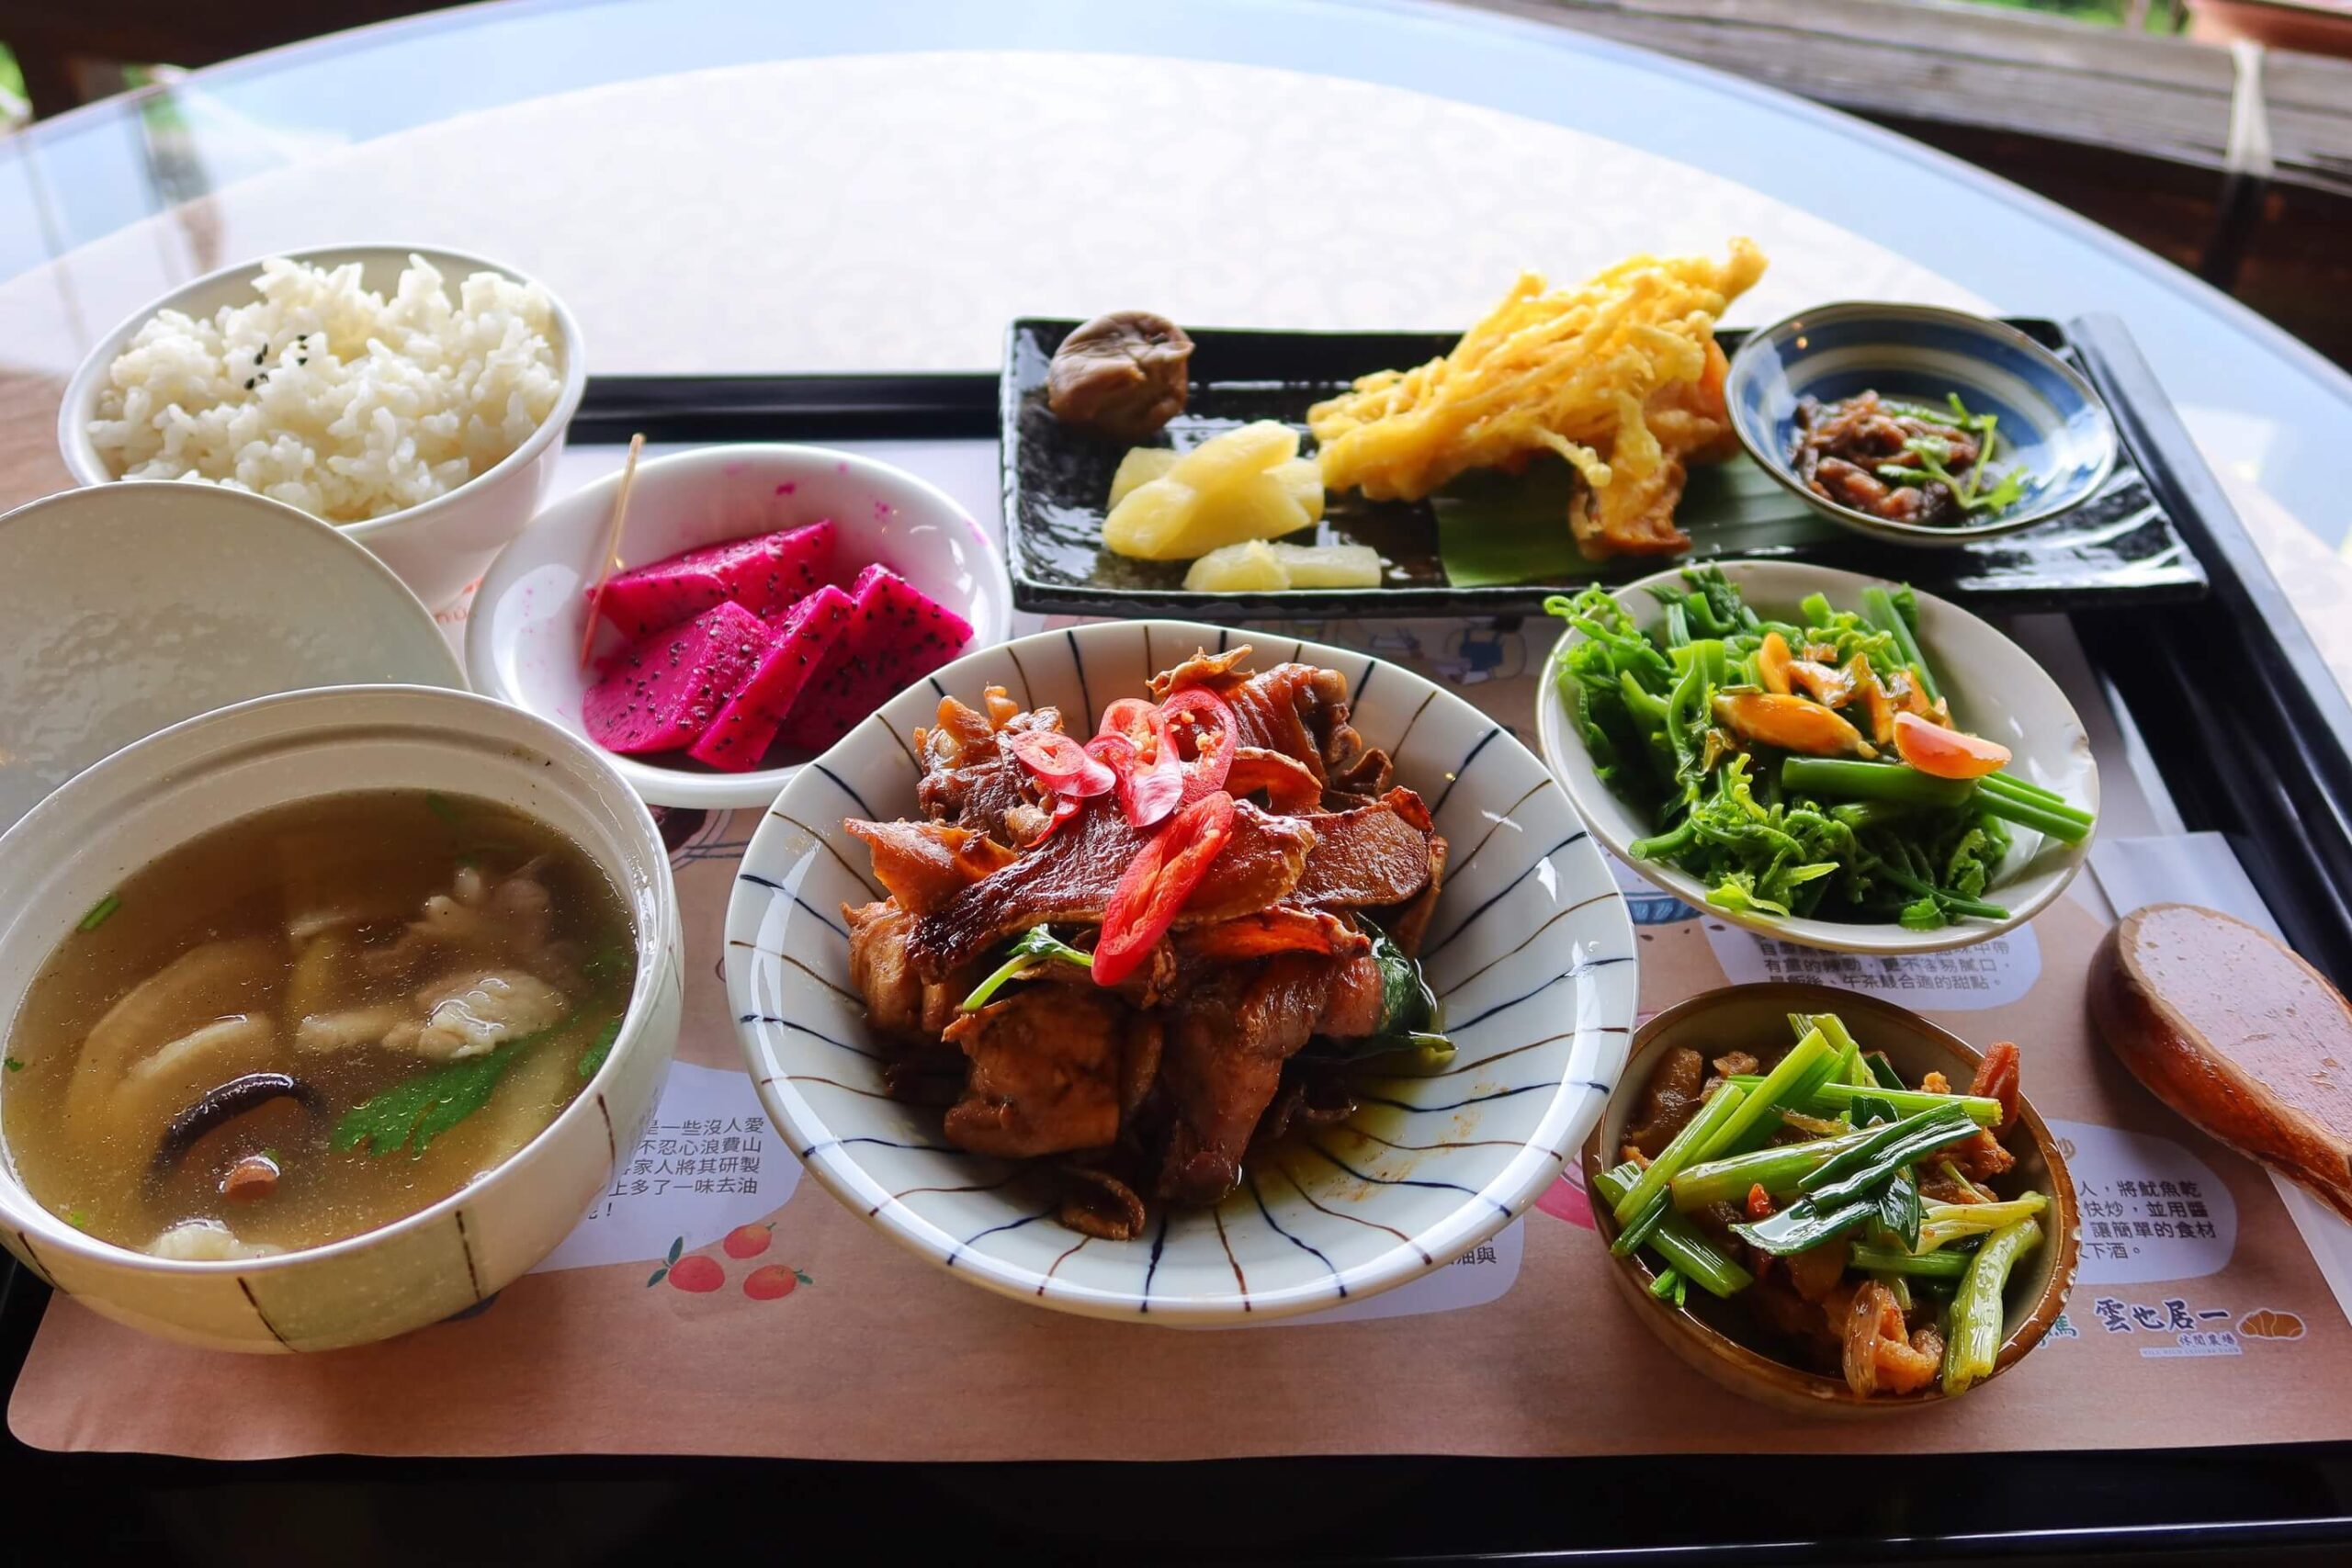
(1806, 767)
(1861, 1201)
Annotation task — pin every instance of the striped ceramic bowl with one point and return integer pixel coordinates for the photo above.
(1530, 947)
(2051, 422)
(205, 773)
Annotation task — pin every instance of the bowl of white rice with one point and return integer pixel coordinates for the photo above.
(416, 397)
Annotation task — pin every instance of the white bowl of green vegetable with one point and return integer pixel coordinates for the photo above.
(1854, 848)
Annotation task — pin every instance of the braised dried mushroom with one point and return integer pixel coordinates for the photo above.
(1120, 376)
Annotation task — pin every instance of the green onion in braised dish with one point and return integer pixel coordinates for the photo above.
(1873, 1231)
(1904, 462)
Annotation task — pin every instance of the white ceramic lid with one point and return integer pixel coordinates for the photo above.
(129, 607)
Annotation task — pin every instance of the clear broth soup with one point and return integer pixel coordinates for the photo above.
(312, 1022)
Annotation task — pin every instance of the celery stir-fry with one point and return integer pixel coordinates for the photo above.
(1837, 1217)
(1807, 767)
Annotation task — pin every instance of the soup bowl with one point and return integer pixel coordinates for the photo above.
(68, 853)
(439, 546)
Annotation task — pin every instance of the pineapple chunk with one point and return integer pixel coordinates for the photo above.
(1329, 566)
(1236, 454)
(1256, 566)
(1251, 567)
(1152, 522)
(1144, 464)
(1303, 477)
(1247, 483)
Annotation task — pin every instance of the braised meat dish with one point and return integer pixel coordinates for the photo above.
(1136, 953)
(1904, 462)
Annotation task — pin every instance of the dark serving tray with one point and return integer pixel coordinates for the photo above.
(2283, 796)
(2118, 548)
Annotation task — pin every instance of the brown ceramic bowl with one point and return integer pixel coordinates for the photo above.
(1739, 1016)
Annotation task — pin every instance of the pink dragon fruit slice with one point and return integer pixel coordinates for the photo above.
(800, 637)
(895, 636)
(665, 691)
(765, 575)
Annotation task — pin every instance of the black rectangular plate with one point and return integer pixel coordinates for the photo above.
(2119, 547)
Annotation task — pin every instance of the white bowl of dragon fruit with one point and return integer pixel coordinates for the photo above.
(417, 399)
(767, 599)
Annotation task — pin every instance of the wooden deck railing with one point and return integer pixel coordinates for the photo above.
(2235, 162)
(2021, 71)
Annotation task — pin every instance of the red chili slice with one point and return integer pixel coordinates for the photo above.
(1196, 710)
(1136, 791)
(1149, 787)
(1130, 717)
(1065, 807)
(1157, 882)
(1060, 763)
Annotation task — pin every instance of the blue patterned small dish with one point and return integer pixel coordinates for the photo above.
(2052, 424)
(1530, 947)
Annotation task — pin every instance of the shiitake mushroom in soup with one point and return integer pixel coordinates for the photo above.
(312, 1022)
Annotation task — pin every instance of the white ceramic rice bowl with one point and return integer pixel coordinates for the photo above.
(440, 547)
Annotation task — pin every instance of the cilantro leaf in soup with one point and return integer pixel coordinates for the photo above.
(423, 1106)
(599, 1048)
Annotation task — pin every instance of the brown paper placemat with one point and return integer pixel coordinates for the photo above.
(1522, 1348)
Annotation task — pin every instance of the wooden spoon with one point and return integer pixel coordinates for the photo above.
(2237, 1034)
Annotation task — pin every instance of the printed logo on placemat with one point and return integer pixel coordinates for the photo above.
(2177, 1325)
(2269, 1323)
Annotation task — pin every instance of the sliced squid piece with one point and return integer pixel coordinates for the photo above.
(205, 1052)
(202, 985)
(467, 1014)
(206, 1241)
(314, 924)
(321, 975)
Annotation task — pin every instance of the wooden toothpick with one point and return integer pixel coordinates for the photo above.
(610, 557)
